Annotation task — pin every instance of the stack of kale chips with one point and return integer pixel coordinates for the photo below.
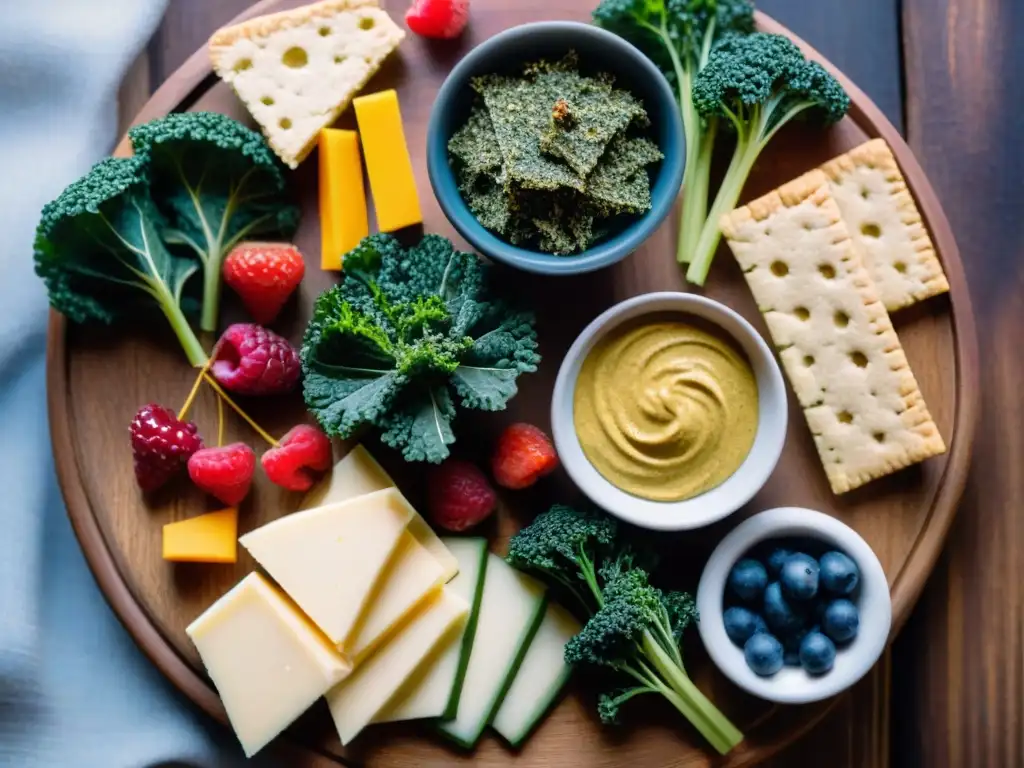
(553, 159)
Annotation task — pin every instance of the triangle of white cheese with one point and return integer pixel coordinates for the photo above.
(297, 70)
(329, 559)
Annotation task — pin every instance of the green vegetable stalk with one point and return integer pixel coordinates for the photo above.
(408, 336)
(634, 628)
(99, 250)
(217, 183)
(679, 36)
(755, 85)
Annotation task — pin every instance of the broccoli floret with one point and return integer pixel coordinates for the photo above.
(217, 183)
(679, 36)
(407, 336)
(635, 633)
(98, 248)
(755, 85)
(569, 546)
(634, 628)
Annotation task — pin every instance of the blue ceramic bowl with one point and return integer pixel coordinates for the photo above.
(599, 51)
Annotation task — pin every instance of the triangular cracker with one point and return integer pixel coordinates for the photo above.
(297, 70)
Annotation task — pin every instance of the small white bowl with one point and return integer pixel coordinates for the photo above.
(792, 685)
(717, 503)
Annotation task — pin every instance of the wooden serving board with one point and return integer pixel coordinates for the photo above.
(97, 378)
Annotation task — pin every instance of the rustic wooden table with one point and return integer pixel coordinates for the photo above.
(946, 72)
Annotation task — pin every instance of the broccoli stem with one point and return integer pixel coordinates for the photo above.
(687, 698)
(742, 162)
(186, 336)
(695, 200)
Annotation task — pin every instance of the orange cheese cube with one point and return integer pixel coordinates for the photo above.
(343, 220)
(388, 165)
(210, 538)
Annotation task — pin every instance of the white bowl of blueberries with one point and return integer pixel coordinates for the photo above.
(794, 606)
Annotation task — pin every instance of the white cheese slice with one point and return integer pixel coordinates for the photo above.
(268, 663)
(329, 559)
(540, 678)
(297, 70)
(355, 701)
(412, 574)
(511, 608)
(359, 473)
(434, 690)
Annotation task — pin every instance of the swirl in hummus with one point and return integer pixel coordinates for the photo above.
(666, 410)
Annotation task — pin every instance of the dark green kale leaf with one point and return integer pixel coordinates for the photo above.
(405, 332)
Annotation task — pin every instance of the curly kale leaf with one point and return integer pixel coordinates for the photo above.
(408, 336)
(217, 182)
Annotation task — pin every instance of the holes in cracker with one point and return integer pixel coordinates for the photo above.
(802, 313)
(859, 359)
(267, 100)
(845, 417)
(295, 57)
(242, 64)
(808, 360)
(285, 123)
(879, 436)
(870, 230)
(339, 59)
(779, 268)
(841, 319)
(324, 31)
(366, 23)
(827, 271)
(900, 267)
(865, 192)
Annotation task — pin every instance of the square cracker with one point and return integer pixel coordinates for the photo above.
(836, 341)
(885, 225)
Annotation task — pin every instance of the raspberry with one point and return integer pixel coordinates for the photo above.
(302, 452)
(438, 18)
(523, 456)
(459, 496)
(251, 360)
(224, 472)
(161, 444)
(264, 275)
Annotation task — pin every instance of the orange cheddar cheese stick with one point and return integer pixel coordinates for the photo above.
(209, 538)
(343, 221)
(388, 165)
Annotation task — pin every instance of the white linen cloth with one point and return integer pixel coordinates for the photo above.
(74, 689)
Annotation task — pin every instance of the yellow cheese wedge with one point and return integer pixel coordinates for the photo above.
(329, 559)
(359, 473)
(268, 662)
(209, 538)
(355, 701)
(411, 576)
(343, 221)
(388, 165)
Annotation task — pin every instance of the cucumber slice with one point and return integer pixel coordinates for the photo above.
(434, 691)
(511, 609)
(540, 678)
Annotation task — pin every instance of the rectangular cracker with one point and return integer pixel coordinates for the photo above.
(835, 339)
(885, 225)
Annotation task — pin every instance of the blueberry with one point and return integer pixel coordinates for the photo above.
(839, 574)
(741, 623)
(790, 658)
(782, 616)
(799, 577)
(817, 653)
(747, 579)
(791, 640)
(776, 558)
(840, 620)
(763, 654)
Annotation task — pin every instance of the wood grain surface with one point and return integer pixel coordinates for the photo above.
(863, 40)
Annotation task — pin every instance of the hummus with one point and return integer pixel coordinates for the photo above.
(665, 409)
